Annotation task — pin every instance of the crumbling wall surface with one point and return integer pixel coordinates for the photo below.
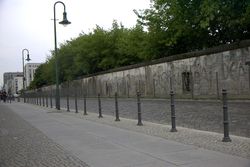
(199, 76)
(204, 76)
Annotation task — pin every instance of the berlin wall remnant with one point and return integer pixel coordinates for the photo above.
(197, 74)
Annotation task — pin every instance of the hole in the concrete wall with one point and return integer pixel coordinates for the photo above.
(186, 81)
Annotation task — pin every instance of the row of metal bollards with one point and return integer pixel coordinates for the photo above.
(173, 129)
(226, 137)
(44, 101)
(76, 104)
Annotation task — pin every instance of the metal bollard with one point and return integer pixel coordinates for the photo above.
(47, 103)
(68, 101)
(85, 105)
(226, 137)
(76, 107)
(40, 99)
(24, 97)
(37, 99)
(99, 106)
(139, 109)
(116, 108)
(51, 103)
(172, 112)
(43, 99)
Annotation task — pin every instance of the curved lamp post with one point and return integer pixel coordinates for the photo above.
(24, 79)
(63, 22)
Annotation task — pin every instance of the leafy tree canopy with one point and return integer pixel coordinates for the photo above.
(94, 52)
(183, 25)
(168, 27)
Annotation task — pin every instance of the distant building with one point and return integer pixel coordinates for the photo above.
(30, 69)
(9, 81)
(10, 76)
(13, 86)
(17, 84)
(13, 81)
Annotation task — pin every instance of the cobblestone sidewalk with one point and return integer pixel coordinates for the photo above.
(22, 145)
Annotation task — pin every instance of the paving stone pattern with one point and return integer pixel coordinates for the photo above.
(240, 146)
(22, 145)
(201, 115)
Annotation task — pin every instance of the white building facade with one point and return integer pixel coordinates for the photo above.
(29, 72)
(13, 82)
(17, 85)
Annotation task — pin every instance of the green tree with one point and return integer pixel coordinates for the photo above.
(43, 75)
(177, 26)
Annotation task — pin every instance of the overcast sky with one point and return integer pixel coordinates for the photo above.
(28, 24)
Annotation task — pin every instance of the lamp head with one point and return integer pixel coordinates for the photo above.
(65, 21)
(28, 57)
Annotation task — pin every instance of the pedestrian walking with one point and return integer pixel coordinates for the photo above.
(1, 96)
(4, 96)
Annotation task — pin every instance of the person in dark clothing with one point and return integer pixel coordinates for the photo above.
(1, 96)
(4, 96)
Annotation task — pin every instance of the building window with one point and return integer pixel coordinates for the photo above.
(16, 82)
(30, 74)
(186, 81)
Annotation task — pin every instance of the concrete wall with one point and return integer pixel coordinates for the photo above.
(203, 75)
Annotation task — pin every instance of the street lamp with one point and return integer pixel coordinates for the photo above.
(63, 22)
(27, 59)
